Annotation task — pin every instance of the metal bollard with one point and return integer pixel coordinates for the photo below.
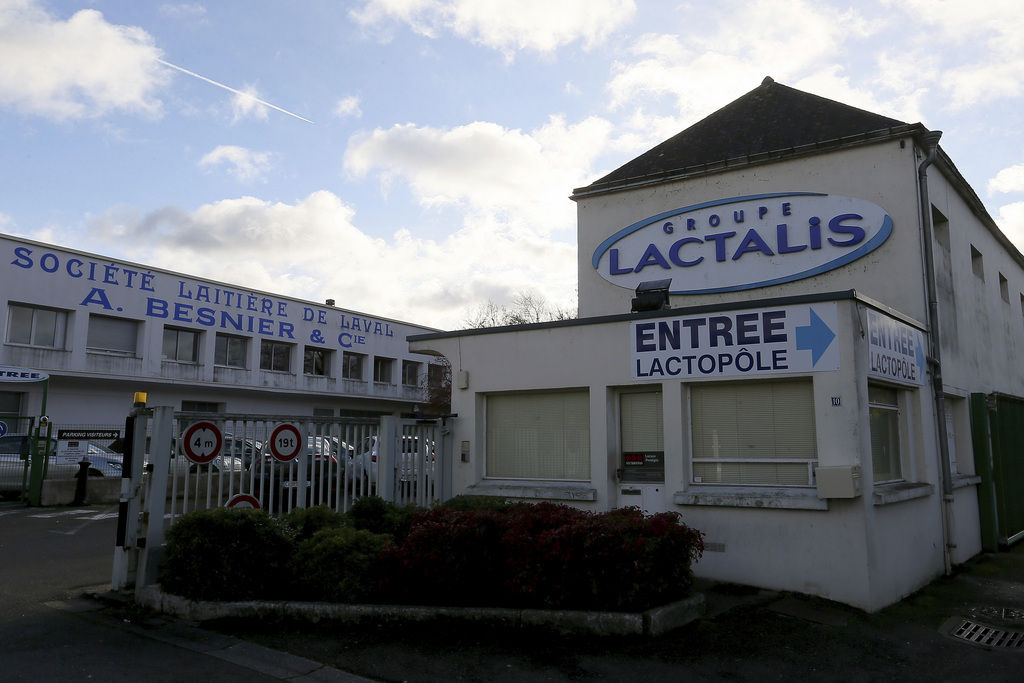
(82, 476)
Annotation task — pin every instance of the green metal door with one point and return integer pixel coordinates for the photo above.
(997, 427)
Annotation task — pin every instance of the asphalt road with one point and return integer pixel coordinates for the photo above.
(52, 554)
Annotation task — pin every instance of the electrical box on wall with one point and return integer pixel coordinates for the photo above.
(838, 482)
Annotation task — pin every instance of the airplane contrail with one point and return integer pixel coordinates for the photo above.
(230, 89)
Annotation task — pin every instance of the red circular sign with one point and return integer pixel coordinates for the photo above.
(243, 500)
(285, 442)
(202, 442)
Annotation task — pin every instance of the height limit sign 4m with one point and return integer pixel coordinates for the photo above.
(202, 442)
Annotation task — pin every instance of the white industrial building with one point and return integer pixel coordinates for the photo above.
(103, 329)
(838, 293)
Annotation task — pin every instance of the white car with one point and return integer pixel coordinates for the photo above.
(13, 466)
(364, 462)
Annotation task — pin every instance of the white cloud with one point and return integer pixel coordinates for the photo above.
(1011, 221)
(505, 25)
(702, 70)
(244, 164)
(348, 106)
(484, 167)
(313, 250)
(247, 103)
(1008, 180)
(79, 68)
(976, 46)
(183, 11)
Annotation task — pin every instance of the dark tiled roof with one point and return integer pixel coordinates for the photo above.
(770, 118)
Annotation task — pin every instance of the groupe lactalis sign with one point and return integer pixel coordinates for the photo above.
(729, 245)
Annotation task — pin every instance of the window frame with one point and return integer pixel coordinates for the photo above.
(228, 339)
(349, 361)
(774, 469)
(309, 368)
(413, 367)
(383, 370)
(895, 416)
(275, 348)
(555, 425)
(60, 326)
(195, 346)
(97, 320)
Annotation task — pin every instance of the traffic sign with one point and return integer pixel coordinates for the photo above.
(244, 501)
(3, 428)
(202, 442)
(284, 442)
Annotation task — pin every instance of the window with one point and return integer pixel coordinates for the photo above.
(352, 365)
(410, 373)
(36, 326)
(231, 351)
(323, 412)
(1004, 288)
(538, 435)
(884, 411)
(753, 433)
(642, 436)
(180, 345)
(118, 335)
(275, 356)
(316, 361)
(200, 407)
(977, 264)
(10, 404)
(382, 370)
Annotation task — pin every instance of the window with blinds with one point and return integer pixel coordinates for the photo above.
(642, 437)
(118, 335)
(538, 436)
(884, 417)
(757, 434)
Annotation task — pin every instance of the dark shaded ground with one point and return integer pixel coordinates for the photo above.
(749, 635)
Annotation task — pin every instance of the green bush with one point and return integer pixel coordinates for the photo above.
(226, 554)
(338, 564)
(307, 521)
(376, 515)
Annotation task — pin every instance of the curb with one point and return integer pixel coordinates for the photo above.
(653, 622)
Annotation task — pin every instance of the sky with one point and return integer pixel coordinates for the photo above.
(413, 159)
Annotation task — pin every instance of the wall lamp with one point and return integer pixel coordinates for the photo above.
(651, 295)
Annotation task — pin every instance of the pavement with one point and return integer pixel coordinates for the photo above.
(964, 627)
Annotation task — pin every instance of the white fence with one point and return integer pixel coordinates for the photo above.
(180, 462)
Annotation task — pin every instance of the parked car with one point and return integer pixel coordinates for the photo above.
(275, 482)
(413, 452)
(14, 462)
(246, 449)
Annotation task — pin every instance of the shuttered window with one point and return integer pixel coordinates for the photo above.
(112, 334)
(758, 434)
(538, 436)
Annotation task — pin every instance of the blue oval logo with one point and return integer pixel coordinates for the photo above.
(729, 245)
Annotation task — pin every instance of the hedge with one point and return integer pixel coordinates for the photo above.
(477, 553)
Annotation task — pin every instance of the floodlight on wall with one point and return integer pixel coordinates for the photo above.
(652, 295)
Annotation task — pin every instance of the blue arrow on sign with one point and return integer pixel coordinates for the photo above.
(816, 337)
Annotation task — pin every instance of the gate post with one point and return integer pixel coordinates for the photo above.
(387, 458)
(132, 464)
(151, 533)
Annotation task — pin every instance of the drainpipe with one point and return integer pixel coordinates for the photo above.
(931, 141)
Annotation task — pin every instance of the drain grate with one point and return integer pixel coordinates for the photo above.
(988, 636)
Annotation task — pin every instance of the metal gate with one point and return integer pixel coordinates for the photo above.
(180, 462)
(997, 427)
(18, 441)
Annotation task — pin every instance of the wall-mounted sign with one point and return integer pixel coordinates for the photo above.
(737, 343)
(896, 350)
(729, 245)
(9, 373)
